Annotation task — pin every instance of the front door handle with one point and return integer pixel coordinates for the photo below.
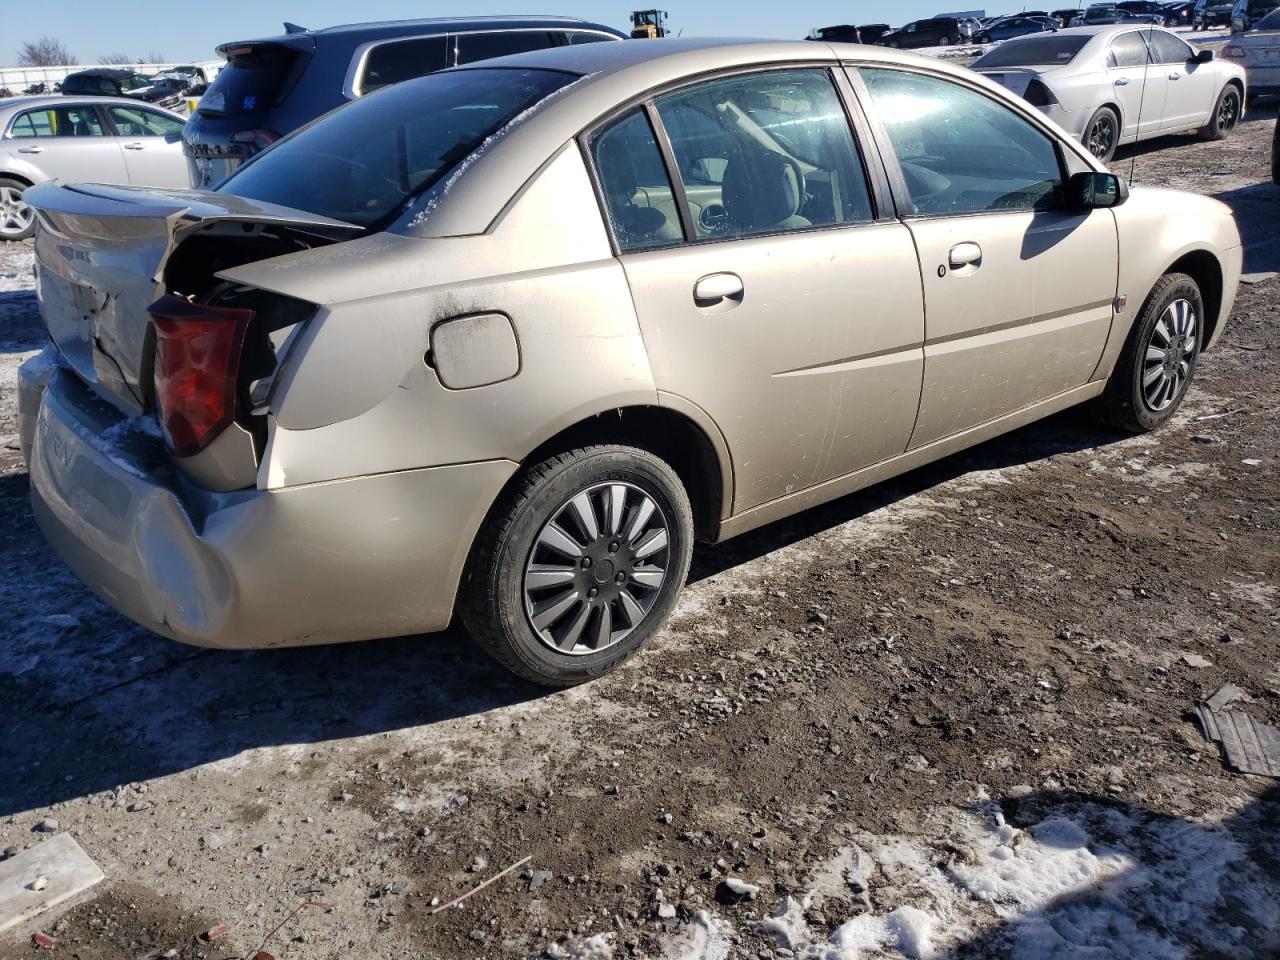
(965, 255)
(135, 146)
(716, 288)
(1122, 82)
(31, 149)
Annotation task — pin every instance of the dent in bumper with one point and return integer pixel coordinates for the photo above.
(329, 562)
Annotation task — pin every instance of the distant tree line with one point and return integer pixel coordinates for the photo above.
(51, 52)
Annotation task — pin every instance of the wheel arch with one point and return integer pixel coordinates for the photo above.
(695, 450)
(12, 175)
(1203, 267)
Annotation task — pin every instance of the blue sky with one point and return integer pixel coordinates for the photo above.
(190, 30)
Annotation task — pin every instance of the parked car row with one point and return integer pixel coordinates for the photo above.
(504, 340)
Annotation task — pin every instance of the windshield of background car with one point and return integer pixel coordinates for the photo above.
(363, 161)
(1033, 51)
(1270, 22)
(134, 82)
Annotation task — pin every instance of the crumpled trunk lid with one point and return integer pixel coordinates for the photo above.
(100, 258)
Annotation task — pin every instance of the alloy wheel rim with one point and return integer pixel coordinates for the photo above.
(596, 568)
(15, 215)
(1170, 354)
(1227, 112)
(1100, 135)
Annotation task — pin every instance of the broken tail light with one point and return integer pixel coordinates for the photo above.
(197, 364)
(255, 140)
(1039, 95)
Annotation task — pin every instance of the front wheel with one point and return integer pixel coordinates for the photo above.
(1158, 359)
(1225, 116)
(946, 42)
(579, 564)
(17, 220)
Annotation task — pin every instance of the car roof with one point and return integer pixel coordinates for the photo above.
(113, 72)
(382, 29)
(10, 105)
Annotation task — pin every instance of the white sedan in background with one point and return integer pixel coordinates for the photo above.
(91, 139)
(1120, 84)
(1258, 51)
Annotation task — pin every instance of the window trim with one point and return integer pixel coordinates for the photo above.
(95, 107)
(898, 182)
(353, 85)
(645, 101)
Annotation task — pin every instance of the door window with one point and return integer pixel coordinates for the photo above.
(1128, 50)
(765, 152)
(399, 60)
(58, 122)
(575, 37)
(137, 122)
(962, 152)
(485, 46)
(637, 191)
(1166, 48)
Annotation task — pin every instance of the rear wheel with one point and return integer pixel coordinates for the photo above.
(1102, 134)
(579, 565)
(17, 220)
(1225, 116)
(946, 41)
(1159, 358)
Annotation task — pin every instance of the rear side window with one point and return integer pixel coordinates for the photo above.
(59, 122)
(400, 60)
(500, 43)
(637, 191)
(362, 162)
(255, 78)
(575, 37)
(765, 152)
(1128, 50)
(962, 152)
(89, 86)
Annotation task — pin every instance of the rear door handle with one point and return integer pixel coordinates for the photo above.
(31, 149)
(1122, 82)
(716, 288)
(135, 146)
(965, 255)
(1175, 76)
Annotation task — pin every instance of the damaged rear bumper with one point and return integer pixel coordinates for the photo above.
(320, 563)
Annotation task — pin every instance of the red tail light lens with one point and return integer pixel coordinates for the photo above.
(197, 363)
(256, 139)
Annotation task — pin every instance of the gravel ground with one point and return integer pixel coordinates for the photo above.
(950, 714)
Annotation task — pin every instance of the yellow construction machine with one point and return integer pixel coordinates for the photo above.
(648, 24)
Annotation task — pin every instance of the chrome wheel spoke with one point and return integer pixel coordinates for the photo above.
(604, 627)
(556, 539)
(641, 520)
(586, 514)
(653, 541)
(543, 575)
(546, 613)
(1154, 374)
(571, 636)
(631, 607)
(617, 507)
(650, 578)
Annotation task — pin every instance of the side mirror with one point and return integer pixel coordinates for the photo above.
(1203, 56)
(1097, 191)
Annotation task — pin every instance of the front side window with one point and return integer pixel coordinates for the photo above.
(765, 152)
(637, 191)
(500, 43)
(1128, 50)
(365, 160)
(137, 122)
(1166, 48)
(962, 152)
(399, 60)
(575, 37)
(58, 122)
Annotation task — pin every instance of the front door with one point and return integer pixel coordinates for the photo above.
(1191, 91)
(152, 146)
(1018, 291)
(769, 296)
(68, 143)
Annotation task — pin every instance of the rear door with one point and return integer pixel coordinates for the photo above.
(151, 142)
(70, 142)
(1137, 84)
(768, 292)
(1018, 291)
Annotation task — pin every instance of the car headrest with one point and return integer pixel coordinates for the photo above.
(761, 188)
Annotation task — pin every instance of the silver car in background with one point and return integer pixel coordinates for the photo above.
(1113, 85)
(1257, 50)
(97, 139)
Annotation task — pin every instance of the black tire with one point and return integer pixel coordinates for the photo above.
(1104, 118)
(1225, 116)
(492, 599)
(12, 184)
(1275, 154)
(946, 41)
(1123, 404)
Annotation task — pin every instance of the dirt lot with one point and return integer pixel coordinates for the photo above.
(949, 714)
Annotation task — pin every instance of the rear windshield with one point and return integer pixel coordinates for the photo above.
(1033, 51)
(254, 79)
(362, 162)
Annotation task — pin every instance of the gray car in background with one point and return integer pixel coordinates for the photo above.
(97, 139)
(273, 85)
